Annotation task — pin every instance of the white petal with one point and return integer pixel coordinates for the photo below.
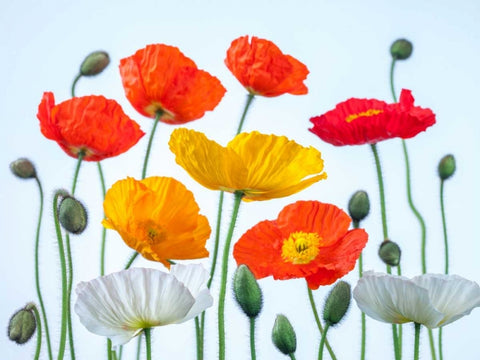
(194, 277)
(452, 295)
(121, 304)
(394, 299)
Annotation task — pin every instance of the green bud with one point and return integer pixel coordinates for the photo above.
(283, 335)
(22, 325)
(401, 49)
(72, 215)
(23, 168)
(390, 253)
(359, 206)
(337, 303)
(94, 63)
(446, 167)
(247, 292)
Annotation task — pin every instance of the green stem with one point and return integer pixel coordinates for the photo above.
(322, 341)
(363, 342)
(81, 155)
(74, 84)
(37, 270)
(250, 98)
(69, 296)
(131, 260)
(381, 190)
(400, 326)
(444, 224)
(440, 343)
(110, 353)
(39, 333)
(199, 335)
(63, 265)
(396, 348)
(416, 349)
(104, 230)
(392, 87)
(139, 346)
(223, 281)
(158, 115)
(252, 338)
(292, 356)
(319, 324)
(148, 343)
(432, 345)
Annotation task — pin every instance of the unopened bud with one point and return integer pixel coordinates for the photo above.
(23, 168)
(72, 215)
(22, 325)
(359, 206)
(446, 167)
(247, 291)
(283, 335)
(94, 63)
(337, 303)
(401, 49)
(390, 253)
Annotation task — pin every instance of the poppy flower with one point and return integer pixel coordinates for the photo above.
(158, 217)
(94, 125)
(260, 166)
(368, 121)
(430, 299)
(263, 69)
(159, 79)
(122, 304)
(309, 239)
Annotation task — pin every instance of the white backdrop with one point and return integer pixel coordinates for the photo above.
(345, 45)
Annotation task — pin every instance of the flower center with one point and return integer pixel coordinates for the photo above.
(300, 247)
(369, 112)
(154, 233)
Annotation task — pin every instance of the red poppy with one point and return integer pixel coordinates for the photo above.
(94, 125)
(309, 239)
(368, 121)
(263, 69)
(159, 78)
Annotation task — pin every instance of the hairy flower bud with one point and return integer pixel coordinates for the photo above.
(446, 167)
(283, 335)
(247, 291)
(94, 63)
(72, 215)
(23, 168)
(22, 325)
(359, 206)
(401, 49)
(390, 253)
(337, 303)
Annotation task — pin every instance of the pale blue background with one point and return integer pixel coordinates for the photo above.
(345, 45)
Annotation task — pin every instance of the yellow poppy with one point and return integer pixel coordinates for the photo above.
(260, 166)
(158, 217)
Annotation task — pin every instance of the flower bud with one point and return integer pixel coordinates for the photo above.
(23, 168)
(72, 215)
(94, 63)
(359, 206)
(22, 325)
(247, 292)
(390, 253)
(283, 335)
(337, 303)
(446, 167)
(401, 49)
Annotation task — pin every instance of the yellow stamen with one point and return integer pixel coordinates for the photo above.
(301, 247)
(369, 112)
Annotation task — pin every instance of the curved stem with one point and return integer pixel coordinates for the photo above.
(39, 333)
(81, 154)
(104, 230)
(223, 281)
(392, 87)
(63, 265)
(158, 115)
(444, 224)
(381, 190)
(74, 84)
(148, 343)
(416, 349)
(252, 338)
(250, 98)
(363, 342)
(322, 342)
(199, 335)
(69, 296)
(37, 270)
(319, 324)
(131, 260)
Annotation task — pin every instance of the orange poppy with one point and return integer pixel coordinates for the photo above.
(159, 79)
(368, 121)
(158, 217)
(263, 69)
(94, 125)
(309, 239)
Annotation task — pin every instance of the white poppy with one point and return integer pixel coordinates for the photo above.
(430, 299)
(122, 304)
